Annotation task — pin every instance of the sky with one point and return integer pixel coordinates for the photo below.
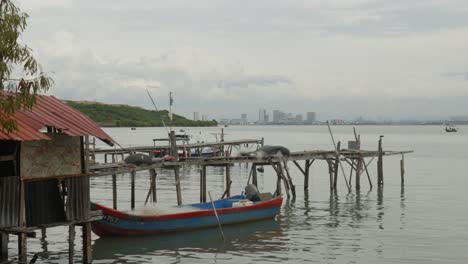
(398, 59)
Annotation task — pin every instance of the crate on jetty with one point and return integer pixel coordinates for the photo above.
(44, 175)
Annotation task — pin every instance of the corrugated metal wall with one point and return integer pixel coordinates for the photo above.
(78, 198)
(44, 204)
(9, 201)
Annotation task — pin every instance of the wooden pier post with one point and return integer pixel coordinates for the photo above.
(71, 244)
(177, 181)
(22, 248)
(330, 171)
(380, 164)
(358, 174)
(114, 187)
(87, 249)
(228, 180)
(173, 144)
(337, 163)
(22, 238)
(132, 187)
(153, 175)
(306, 173)
(254, 175)
(402, 169)
(291, 184)
(3, 246)
(278, 185)
(203, 184)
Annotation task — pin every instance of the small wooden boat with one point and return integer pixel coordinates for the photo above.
(451, 129)
(232, 210)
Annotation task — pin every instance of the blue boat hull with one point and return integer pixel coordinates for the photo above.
(118, 223)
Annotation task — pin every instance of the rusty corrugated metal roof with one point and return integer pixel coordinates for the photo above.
(49, 111)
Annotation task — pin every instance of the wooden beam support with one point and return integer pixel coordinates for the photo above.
(132, 189)
(71, 244)
(402, 169)
(114, 188)
(228, 181)
(153, 176)
(177, 182)
(3, 247)
(201, 185)
(254, 175)
(87, 249)
(380, 180)
(22, 248)
(204, 184)
(358, 174)
(367, 173)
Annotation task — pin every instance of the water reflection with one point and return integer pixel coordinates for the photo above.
(380, 207)
(257, 237)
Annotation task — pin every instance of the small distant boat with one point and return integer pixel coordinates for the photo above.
(133, 128)
(451, 129)
(206, 152)
(226, 125)
(232, 210)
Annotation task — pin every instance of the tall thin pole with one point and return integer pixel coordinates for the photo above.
(336, 151)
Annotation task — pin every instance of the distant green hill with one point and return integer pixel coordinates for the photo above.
(130, 116)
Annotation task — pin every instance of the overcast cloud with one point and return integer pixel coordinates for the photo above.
(391, 59)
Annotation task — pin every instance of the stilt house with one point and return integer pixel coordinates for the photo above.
(44, 179)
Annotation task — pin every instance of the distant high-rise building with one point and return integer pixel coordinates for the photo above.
(262, 116)
(311, 117)
(299, 118)
(244, 119)
(196, 116)
(279, 116)
(204, 117)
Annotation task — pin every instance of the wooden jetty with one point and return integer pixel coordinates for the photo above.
(358, 160)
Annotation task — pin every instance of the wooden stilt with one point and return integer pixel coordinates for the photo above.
(286, 181)
(367, 173)
(279, 171)
(278, 185)
(173, 144)
(291, 184)
(3, 247)
(402, 169)
(305, 171)
(380, 180)
(204, 184)
(22, 248)
(254, 175)
(87, 249)
(358, 174)
(132, 201)
(22, 238)
(337, 162)
(228, 187)
(177, 181)
(228, 180)
(153, 175)
(114, 188)
(308, 163)
(351, 164)
(330, 171)
(201, 185)
(114, 191)
(71, 243)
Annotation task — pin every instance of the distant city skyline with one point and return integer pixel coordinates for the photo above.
(344, 59)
